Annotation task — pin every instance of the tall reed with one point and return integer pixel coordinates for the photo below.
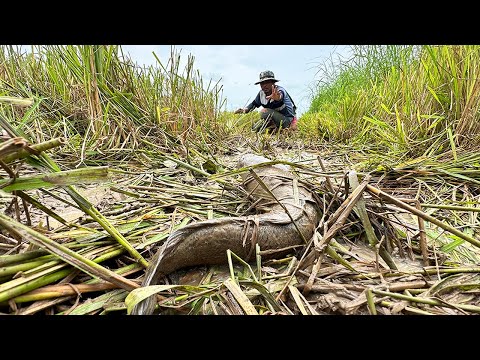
(414, 99)
(99, 99)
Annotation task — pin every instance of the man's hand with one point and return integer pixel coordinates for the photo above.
(240, 111)
(276, 95)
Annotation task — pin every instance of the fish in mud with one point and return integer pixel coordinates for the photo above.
(207, 242)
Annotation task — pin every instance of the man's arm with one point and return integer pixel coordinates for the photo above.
(253, 105)
(247, 109)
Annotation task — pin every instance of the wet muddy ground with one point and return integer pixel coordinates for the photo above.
(353, 279)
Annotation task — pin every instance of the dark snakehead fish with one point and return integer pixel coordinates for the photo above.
(207, 242)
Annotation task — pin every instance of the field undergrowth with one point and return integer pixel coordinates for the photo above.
(158, 142)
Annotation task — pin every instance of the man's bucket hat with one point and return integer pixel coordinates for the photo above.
(265, 76)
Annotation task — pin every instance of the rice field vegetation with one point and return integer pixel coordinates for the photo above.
(418, 100)
(103, 102)
(101, 159)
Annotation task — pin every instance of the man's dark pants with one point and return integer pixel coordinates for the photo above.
(272, 119)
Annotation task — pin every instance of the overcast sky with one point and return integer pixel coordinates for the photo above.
(238, 67)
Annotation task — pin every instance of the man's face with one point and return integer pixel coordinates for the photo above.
(267, 86)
